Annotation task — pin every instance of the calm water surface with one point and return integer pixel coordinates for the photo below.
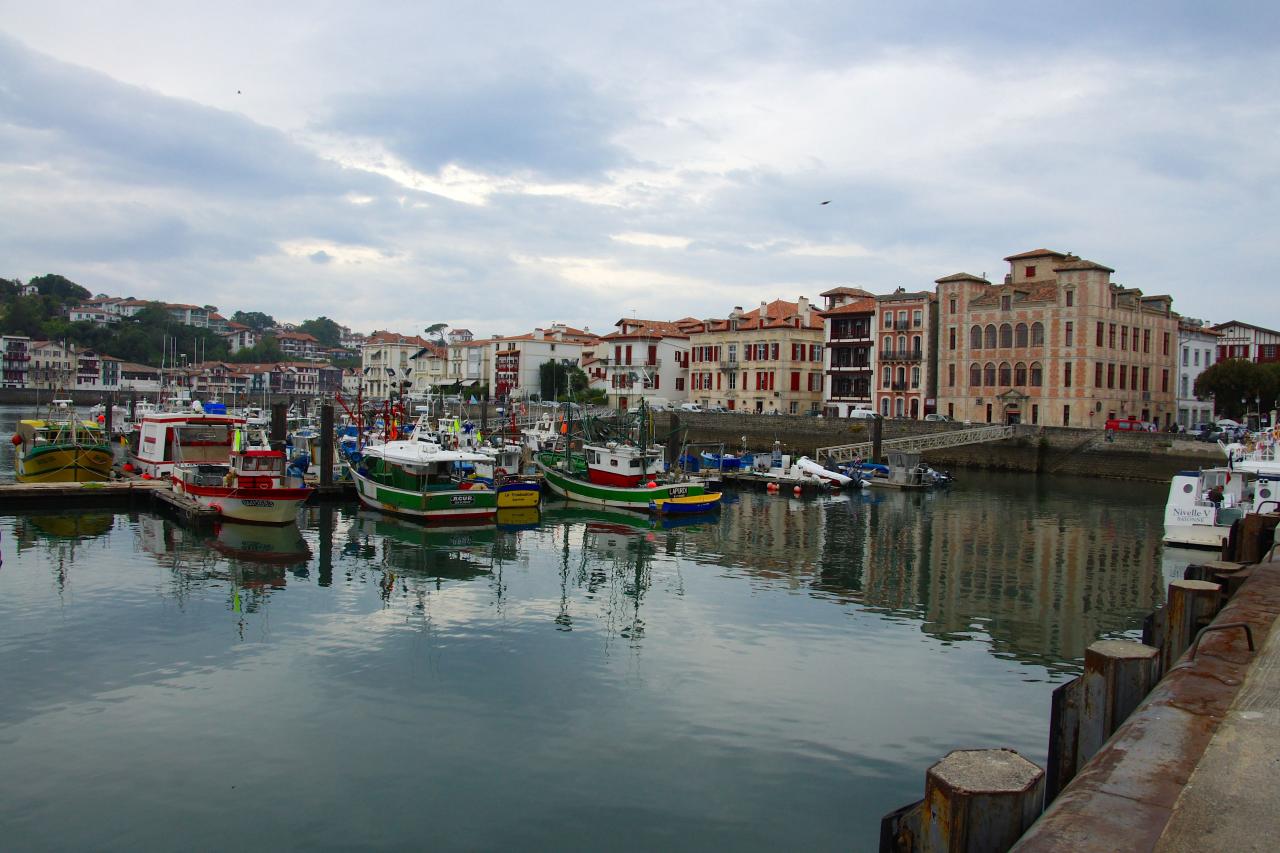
(779, 677)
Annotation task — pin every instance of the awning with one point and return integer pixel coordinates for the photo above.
(467, 383)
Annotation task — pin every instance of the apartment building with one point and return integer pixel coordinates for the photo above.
(15, 360)
(1056, 343)
(850, 359)
(642, 360)
(384, 361)
(239, 337)
(906, 372)
(1197, 348)
(516, 360)
(768, 360)
(298, 345)
(1247, 341)
(430, 368)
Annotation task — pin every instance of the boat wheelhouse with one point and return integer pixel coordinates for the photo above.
(417, 478)
(252, 486)
(166, 439)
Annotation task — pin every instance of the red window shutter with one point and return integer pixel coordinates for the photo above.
(773, 352)
(771, 378)
(795, 380)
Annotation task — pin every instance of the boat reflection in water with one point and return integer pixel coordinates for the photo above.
(412, 549)
(519, 518)
(280, 545)
(86, 526)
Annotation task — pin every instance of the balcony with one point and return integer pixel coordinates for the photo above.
(901, 325)
(898, 386)
(853, 365)
(863, 334)
(900, 355)
(729, 364)
(15, 355)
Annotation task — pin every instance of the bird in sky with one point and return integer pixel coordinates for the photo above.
(238, 92)
(828, 201)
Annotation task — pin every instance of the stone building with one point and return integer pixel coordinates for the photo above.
(768, 360)
(850, 317)
(906, 372)
(1056, 343)
(1197, 347)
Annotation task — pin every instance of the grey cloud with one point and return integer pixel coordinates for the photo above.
(321, 257)
(550, 123)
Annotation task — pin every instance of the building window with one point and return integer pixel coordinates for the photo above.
(1133, 377)
(1035, 413)
(952, 341)
(975, 375)
(1111, 375)
(1101, 326)
(1197, 357)
(1069, 333)
(1006, 335)
(1166, 345)
(1066, 375)
(1146, 340)
(1111, 336)
(1124, 337)
(1097, 374)
(917, 319)
(915, 377)
(888, 319)
(1020, 374)
(1164, 380)
(975, 337)
(1006, 375)
(951, 375)
(887, 376)
(1006, 303)
(1020, 335)
(1071, 300)
(680, 383)
(989, 337)
(1037, 374)
(989, 375)
(1123, 374)
(1031, 272)
(1037, 334)
(951, 305)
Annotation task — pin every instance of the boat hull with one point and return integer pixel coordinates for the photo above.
(250, 506)
(638, 498)
(444, 506)
(68, 464)
(519, 495)
(686, 505)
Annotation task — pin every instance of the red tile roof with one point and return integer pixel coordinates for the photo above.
(1035, 253)
(865, 305)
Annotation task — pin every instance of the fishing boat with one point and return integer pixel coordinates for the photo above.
(1203, 505)
(617, 466)
(418, 478)
(686, 505)
(61, 449)
(251, 486)
(166, 439)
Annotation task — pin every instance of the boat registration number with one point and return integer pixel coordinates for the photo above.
(462, 500)
(257, 502)
(677, 491)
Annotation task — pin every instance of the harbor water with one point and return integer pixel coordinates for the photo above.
(776, 677)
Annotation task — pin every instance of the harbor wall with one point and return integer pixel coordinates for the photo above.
(1153, 457)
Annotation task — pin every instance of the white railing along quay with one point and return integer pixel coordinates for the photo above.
(933, 441)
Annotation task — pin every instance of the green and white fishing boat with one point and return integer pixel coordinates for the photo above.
(417, 478)
(616, 466)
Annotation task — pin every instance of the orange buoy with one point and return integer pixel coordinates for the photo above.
(16, 439)
(796, 491)
(651, 485)
(146, 476)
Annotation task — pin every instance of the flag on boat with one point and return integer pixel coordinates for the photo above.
(474, 400)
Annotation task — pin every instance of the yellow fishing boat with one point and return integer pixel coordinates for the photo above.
(61, 450)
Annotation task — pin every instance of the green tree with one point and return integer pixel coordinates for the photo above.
(1236, 385)
(560, 381)
(324, 330)
(62, 289)
(265, 351)
(437, 329)
(255, 320)
(24, 315)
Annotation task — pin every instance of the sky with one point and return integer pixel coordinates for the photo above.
(504, 166)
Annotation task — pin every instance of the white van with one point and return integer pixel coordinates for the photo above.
(862, 414)
(690, 407)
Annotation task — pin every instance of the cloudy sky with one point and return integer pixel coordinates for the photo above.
(501, 166)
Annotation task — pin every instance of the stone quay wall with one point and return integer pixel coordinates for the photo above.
(1154, 457)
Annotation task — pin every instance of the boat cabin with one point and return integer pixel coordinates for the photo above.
(623, 465)
(168, 439)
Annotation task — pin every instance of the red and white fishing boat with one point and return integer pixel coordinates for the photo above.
(166, 439)
(253, 486)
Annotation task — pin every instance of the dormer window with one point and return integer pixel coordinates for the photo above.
(1006, 302)
(1031, 272)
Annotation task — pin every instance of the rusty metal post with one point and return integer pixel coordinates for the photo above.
(980, 800)
(1064, 737)
(326, 444)
(1190, 607)
(1118, 674)
(279, 425)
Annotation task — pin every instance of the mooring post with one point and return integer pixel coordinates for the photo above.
(1118, 674)
(1064, 738)
(133, 407)
(1190, 607)
(326, 444)
(877, 433)
(980, 800)
(108, 417)
(279, 425)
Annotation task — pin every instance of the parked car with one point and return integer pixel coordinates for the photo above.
(936, 418)
(720, 410)
(690, 407)
(862, 414)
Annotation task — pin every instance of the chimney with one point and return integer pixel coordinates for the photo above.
(804, 310)
(764, 311)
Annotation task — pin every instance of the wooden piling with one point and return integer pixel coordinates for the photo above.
(108, 416)
(1118, 674)
(1190, 606)
(326, 445)
(279, 425)
(980, 800)
(877, 433)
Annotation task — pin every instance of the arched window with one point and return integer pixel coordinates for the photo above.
(1006, 375)
(897, 407)
(915, 377)
(975, 337)
(1020, 335)
(884, 406)
(902, 345)
(902, 376)
(1006, 335)
(888, 375)
(989, 337)
(915, 344)
(1037, 334)
(989, 374)
(915, 408)
(975, 373)
(886, 346)
(1020, 374)
(1037, 372)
